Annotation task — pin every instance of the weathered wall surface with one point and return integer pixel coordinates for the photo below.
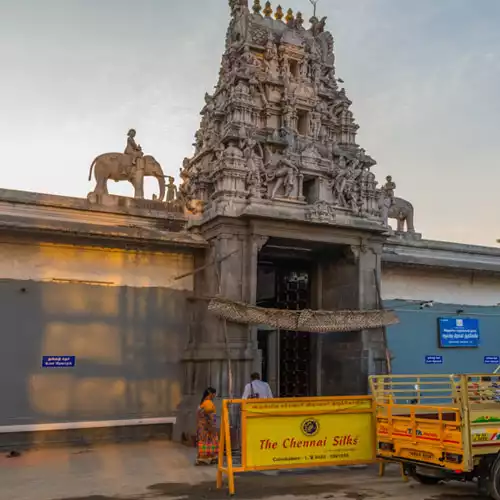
(120, 313)
(440, 286)
(104, 266)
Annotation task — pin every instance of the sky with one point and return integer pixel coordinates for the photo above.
(424, 78)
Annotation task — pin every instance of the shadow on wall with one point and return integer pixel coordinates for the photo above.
(127, 343)
(416, 336)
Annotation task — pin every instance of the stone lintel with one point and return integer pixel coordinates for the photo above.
(316, 233)
(219, 352)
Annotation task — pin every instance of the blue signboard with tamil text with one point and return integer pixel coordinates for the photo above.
(492, 360)
(458, 332)
(434, 360)
(58, 361)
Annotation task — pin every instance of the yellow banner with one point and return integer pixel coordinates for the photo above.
(275, 406)
(299, 441)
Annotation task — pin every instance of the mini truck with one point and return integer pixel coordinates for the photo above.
(441, 427)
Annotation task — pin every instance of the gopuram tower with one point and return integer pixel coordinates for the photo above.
(290, 207)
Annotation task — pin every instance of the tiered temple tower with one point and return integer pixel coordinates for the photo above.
(290, 208)
(278, 130)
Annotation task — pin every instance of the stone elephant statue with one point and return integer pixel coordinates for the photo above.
(399, 209)
(119, 167)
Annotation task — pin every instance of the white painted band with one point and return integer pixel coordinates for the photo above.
(62, 426)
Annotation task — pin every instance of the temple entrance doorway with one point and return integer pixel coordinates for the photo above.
(288, 357)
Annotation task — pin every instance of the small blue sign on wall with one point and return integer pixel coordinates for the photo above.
(492, 360)
(458, 332)
(58, 361)
(434, 360)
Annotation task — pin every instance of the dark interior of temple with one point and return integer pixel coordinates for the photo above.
(284, 282)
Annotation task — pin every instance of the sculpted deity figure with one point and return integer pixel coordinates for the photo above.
(389, 188)
(253, 155)
(232, 151)
(299, 22)
(242, 88)
(249, 61)
(209, 104)
(289, 113)
(250, 154)
(317, 26)
(171, 190)
(239, 24)
(271, 62)
(286, 175)
(198, 141)
(133, 149)
(315, 124)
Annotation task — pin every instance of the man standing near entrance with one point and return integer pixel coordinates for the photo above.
(257, 389)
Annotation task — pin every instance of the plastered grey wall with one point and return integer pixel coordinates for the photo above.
(127, 342)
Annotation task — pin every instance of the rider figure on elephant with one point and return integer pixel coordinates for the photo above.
(133, 149)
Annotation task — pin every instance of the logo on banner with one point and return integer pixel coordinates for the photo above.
(310, 427)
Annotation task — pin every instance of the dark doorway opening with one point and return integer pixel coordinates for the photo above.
(285, 283)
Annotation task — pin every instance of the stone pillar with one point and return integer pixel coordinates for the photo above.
(373, 340)
(348, 282)
(220, 354)
(341, 353)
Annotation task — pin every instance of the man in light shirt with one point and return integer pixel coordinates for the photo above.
(257, 389)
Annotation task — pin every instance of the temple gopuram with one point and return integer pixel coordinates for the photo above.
(294, 218)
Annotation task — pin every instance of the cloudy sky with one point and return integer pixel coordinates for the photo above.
(424, 77)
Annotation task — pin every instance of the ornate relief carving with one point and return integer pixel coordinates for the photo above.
(278, 126)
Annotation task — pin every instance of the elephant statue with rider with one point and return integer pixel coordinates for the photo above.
(399, 209)
(131, 166)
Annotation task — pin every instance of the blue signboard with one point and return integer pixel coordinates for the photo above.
(58, 361)
(492, 360)
(458, 332)
(434, 360)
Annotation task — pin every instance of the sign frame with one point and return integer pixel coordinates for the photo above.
(434, 359)
(58, 362)
(448, 343)
(491, 360)
(303, 408)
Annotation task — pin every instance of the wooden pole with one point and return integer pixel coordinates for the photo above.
(202, 268)
(384, 329)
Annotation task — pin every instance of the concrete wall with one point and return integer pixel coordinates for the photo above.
(417, 336)
(478, 296)
(441, 286)
(120, 313)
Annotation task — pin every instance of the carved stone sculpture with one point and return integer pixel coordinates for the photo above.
(402, 210)
(131, 166)
(171, 190)
(278, 91)
(399, 209)
(285, 176)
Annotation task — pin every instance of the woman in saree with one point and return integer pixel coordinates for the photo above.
(208, 440)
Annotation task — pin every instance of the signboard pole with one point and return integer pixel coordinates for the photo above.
(225, 445)
(222, 442)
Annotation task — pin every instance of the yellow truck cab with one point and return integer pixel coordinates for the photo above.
(441, 427)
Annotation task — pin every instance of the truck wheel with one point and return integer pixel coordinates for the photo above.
(494, 479)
